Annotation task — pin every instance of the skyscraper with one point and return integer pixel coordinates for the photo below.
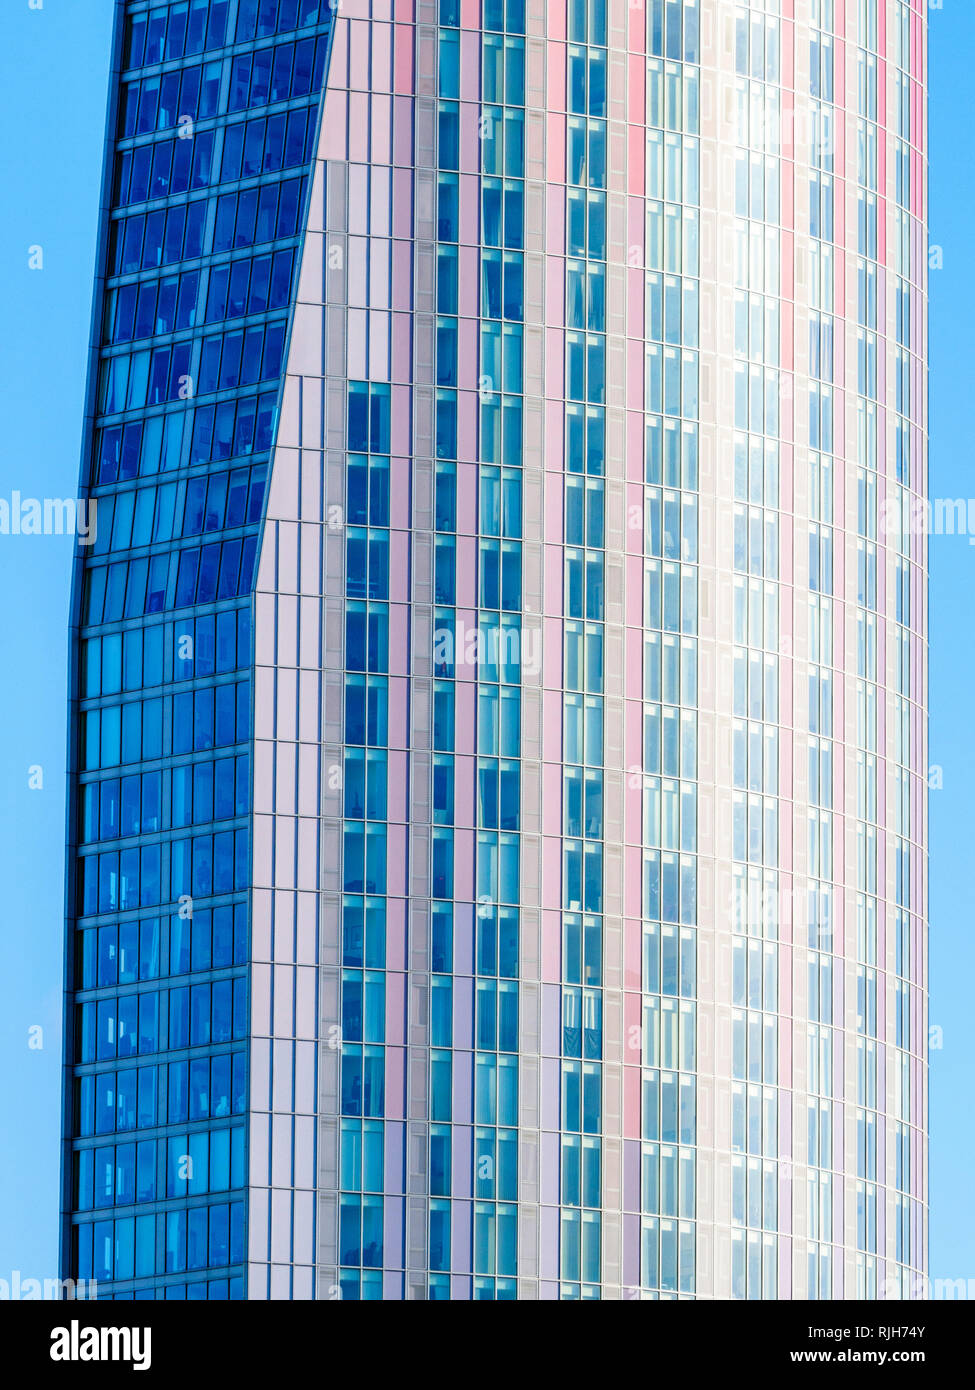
(499, 761)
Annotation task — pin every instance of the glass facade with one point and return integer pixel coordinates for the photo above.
(214, 121)
(499, 738)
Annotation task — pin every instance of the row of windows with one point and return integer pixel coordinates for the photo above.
(241, 425)
(174, 31)
(264, 146)
(756, 542)
(171, 167)
(757, 188)
(146, 876)
(153, 377)
(197, 1238)
(209, 939)
(217, 1290)
(195, 1164)
(497, 16)
(671, 453)
(757, 257)
(582, 1024)
(241, 358)
(143, 1097)
(755, 613)
(668, 1107)
(755, 685)
(669, 887)
(238, 426)
(129, 519)
(755, 1117)
(754, 1046)
(361, 1231)
(221, 501)
(670, 814)
(495, 1088)
(366, 710)
(147, 308)
(755, 757)
(496, 944)
(146, 241)
(667, 1180)
(214, 643)
(135, 1024)
(256, 19)
(502, 221)
(494, 646)
(150, 307)
(131, 382)
(586, 82)
(758, 115)
(495, 1014)
(669, 1036)
(192, 794)
(670, 524)
(133, 588)
(755, 1265)
(672, 239)
(285, 71)
(673, 28)
(670, 386)
(367, 564)
(757, 45)
(364, 783)
(495, 1161)
(669, 960)
(494, 1237)
(582, 876)
(582, 803)
(178, 30)
(670, 596)
(502, 215)
(503, 68)
(671, 310)
(672, 166)
(182, 94)
(755, 829)
(673, 97)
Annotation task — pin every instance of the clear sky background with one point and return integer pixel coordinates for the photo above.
(53, 77)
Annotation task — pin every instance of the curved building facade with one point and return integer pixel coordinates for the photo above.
(499, 748)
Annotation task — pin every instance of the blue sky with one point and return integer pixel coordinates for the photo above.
(952, 637)
(53, 75)
(53, 80)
